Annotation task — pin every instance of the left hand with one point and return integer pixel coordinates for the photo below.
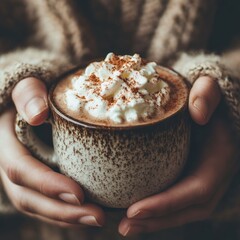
(34, 188)
(195, 196)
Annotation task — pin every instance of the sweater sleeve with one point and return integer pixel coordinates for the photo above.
(194, 65)
(30, 62)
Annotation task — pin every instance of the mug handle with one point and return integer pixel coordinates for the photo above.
(38, 148)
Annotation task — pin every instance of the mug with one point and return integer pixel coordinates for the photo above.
(116, 166)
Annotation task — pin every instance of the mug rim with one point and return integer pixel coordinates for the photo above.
(91, 125)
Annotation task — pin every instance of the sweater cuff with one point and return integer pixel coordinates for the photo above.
(6, 208)
(25, 63)
(194, 66)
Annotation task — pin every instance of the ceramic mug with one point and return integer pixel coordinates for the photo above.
(116, 166)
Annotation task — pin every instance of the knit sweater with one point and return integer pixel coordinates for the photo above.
(45, 38)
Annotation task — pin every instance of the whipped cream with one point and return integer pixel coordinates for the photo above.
(119, 89)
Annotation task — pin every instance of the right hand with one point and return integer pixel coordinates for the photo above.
(34, 188)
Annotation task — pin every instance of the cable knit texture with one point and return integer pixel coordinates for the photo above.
(44, 38)
(25, 63)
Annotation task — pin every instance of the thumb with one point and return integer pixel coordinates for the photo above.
(204, 98)
(30, 99)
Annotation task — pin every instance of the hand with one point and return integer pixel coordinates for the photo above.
(195, 196)
(32, 187)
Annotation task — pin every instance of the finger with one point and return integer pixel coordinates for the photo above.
(215, 164)
(54, 222)
(204, 97)
(129, 227)
(195, 189)
(31, 202)
(30, 98)
(188, 192)
(60, 223)
(22, 169)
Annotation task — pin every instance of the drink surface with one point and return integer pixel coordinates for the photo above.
(171, 90)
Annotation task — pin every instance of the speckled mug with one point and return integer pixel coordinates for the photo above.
(117, 166)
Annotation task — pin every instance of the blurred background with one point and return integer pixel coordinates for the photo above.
(227, 227)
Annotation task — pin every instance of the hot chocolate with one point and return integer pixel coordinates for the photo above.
(121, 91)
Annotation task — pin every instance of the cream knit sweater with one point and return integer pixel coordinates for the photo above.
(44, 38)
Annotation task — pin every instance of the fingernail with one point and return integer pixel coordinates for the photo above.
(202, 106)
(35, 106)
(141, 214)
(132, 230)
(69, 198)
(89, 220)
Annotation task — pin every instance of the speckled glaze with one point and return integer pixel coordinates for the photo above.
(119, 167)
(116, 166)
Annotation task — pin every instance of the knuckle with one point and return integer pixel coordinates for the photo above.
(22, 205)
(203, 191)
(44, 184)
(204, 194)
(42, 188)
(14, 175)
